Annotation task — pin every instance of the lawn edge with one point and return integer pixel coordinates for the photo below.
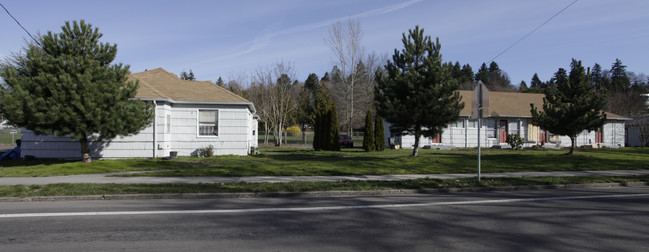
(334, 193)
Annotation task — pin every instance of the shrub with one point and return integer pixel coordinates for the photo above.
(206, 151)
(294, 129)
(515, 141)
(368, 136)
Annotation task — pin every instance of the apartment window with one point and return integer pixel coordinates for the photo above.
(473, 123)
(513, 127)
(458, 124)
(490, 128)
(208, 122)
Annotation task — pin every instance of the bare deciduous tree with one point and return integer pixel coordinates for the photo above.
(345, 42)
(640, 127)
(352, 79)
(276, 97)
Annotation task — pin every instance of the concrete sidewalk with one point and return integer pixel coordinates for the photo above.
(105, 179)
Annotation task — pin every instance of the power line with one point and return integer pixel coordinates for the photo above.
(21, 26)
(530, 33)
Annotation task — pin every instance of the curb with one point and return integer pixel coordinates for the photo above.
(318, 193)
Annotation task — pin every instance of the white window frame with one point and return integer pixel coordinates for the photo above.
(199, 123)
(491, 128)
(472, 123)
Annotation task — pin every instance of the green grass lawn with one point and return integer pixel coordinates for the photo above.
(415, 184)
(304, 162)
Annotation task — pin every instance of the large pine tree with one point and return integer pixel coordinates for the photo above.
(67, 85)
(417, 94)
(570, 106)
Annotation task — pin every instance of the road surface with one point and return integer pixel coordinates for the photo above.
(542, 220)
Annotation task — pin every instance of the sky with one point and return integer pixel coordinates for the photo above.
(235, 39)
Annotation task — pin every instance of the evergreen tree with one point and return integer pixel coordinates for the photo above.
(220, 82)
(482, 74)
(312, 83)
(467, 74)
(326, 77)
(379, 137)
(304, 115)
(571, 106)
(187, 76)
(417, 95)
(619, 80)
(522, 86)
(456, 71)
(325, 126)
(493, 67)
(368, 137)
(69, 87)
(536, 82)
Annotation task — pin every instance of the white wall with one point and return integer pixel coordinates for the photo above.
(175, 129)
(467, 136)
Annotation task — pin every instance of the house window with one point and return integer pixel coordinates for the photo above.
(208, 122)
(458, 124)
(513, 127)
(473, 123)
(490, 128)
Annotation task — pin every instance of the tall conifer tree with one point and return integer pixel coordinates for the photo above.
(69, 87)
(379, 137)
(368, 136)
(570, 106)
(417, 94)
(325, 126)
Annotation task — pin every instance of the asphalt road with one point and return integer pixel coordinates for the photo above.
(542, 220)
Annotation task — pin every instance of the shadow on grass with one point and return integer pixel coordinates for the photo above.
(34, 162)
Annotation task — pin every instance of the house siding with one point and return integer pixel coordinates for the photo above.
(467, 136)
(175, 129)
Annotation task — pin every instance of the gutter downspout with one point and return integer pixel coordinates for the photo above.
(155, 106)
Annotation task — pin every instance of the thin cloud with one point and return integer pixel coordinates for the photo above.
(263, 41)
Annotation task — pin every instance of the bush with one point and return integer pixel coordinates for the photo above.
(515, 141)
(294, 129)
(206, 151)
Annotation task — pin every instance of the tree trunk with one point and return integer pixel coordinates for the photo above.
(415, 148)
(572, 145)
(266, 133)
(85, 149)
(277, 131)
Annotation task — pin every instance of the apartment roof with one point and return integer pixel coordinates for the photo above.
(511, 104)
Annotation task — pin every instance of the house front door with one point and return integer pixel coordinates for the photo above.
(502, 130)
(437, 139)
(542, 137)
(598, 136)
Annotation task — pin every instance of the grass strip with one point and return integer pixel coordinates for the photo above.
(305, 162)
(112, 189)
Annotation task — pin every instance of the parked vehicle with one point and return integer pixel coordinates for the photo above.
(346, 141)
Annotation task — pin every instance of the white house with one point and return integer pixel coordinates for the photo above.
(188, 115)
(509, 113)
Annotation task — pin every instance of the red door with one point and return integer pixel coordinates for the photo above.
(598, 136)
(437, 139)
(502, 130)
(542, 137)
